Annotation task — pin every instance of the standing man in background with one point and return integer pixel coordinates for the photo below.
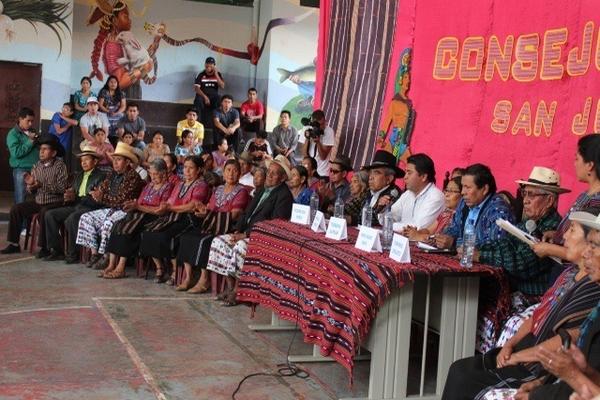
(206, 86)
(23, 153)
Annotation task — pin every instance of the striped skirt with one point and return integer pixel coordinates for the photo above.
(226, 258)
(95, 227)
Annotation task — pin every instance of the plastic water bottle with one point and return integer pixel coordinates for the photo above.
(468, 244)
(367, 215)
(314, 205)
(388, 229)
(339, 208)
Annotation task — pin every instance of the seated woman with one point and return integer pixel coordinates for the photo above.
(121, 184)
(111, 100)
(359, 193)
(226, 205)
(298, 187)
(259, 175)
(565, 305)
(80, 97)
(186, 148)
(452, 198)
(124, 239)
(587, 170)
(104, 149)
(171, 162)
(160, 238)
(155, 150)
(221, 154)
(313, 177)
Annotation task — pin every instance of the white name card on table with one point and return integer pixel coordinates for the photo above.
(318, 224)
(337, 229)
(300, 214)
(368, 240)
(400, 250)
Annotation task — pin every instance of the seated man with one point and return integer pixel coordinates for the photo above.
(190, 123)
(422, 202)
(48, 180)
(92, 120)
(77, 201)
(274, 201)
(383, 171)
(285, 137)
(252, 112)
(480, 206)
(338, 185)
(132, 122)
(227, 123)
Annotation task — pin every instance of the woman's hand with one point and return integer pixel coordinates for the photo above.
(410, 232)
(163, 208)
(559, 363)
(443, 241)
(526, 388)
(130, 205)
(504, 355)
(548, 236)
(200, 210)
(542, 249)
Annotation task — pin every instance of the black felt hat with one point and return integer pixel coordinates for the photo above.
(385, 159)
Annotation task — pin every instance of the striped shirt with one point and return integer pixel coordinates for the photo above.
(52, 178)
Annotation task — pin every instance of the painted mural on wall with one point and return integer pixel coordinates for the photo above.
(304, 78)
(398, 119)
(50, 13)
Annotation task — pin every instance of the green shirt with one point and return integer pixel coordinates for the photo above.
(526, 272)
(82, 191)
(23, 152)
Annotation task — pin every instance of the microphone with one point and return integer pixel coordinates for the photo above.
(531, 226)
(394, 194)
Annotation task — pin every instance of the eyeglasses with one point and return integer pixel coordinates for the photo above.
(530, 193)
(335, 171)
(451, 191)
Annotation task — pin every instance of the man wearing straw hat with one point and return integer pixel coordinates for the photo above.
(77, 202)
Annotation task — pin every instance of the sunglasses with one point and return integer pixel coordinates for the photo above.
(335, 171)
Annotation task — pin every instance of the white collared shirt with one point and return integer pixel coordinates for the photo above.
(375, 196)
(418, 210)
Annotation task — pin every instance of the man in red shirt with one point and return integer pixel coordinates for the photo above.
(252, 114)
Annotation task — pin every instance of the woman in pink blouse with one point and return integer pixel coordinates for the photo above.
(226, 205)
(160, 238)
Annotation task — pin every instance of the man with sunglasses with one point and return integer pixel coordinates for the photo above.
(338, 185)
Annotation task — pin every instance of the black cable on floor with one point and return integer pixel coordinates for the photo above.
(287, 369)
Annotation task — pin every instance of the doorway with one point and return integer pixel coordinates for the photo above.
(20, 86)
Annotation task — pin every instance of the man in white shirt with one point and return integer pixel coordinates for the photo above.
(422, 202)
(91, 120)
(317, 145)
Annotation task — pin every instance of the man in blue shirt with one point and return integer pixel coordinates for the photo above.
(227, 123)
(61, 126)
(480, 206)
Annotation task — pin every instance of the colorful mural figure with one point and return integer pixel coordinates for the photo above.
(398, 121)
(304, 77)
(122, 55)
(51, 13)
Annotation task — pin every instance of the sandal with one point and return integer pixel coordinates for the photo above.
(112, 275)
(93, 260)
(170, 281)
(230, 300)
(199, 289)
(102, 263)
(183, 288)
(159, 277)
(223, 295)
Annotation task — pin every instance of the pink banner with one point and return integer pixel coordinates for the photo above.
(510, 83)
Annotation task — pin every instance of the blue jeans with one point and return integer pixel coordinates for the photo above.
(19, 184)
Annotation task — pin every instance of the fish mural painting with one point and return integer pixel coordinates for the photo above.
(304, 77)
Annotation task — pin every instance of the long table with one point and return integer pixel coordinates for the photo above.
(342, 298)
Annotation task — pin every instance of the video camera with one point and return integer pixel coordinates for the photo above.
(312, 129)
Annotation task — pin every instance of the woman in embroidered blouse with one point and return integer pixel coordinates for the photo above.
(225, 206)
(311, 166)
(160, 238)
(155, 150)
(124, 239)
(564, 305)
(186, 148)
(298, 187)
(452, 196)
(80, 97)
(112, 102)
(587, 169)
(359, 192)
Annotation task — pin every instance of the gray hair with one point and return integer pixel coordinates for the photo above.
(159, 165)
(363, 175)
(389, 171)
(261, 169)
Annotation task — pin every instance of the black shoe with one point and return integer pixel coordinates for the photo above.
(55, 256)
(11, 249)
(93, 260)
(43, 253)
(71, 259)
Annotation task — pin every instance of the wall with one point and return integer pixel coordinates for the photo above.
(42, 47)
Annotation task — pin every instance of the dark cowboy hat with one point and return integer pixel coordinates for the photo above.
(53, 142)
(343, 162)
(385, 159)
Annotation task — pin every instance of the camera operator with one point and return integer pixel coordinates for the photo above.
(22, 147)
(317, 141)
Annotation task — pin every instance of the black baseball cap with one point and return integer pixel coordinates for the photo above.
(209, 60)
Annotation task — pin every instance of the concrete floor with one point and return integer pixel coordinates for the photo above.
(66, 334)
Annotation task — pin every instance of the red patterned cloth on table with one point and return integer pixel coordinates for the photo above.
(340, 288)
